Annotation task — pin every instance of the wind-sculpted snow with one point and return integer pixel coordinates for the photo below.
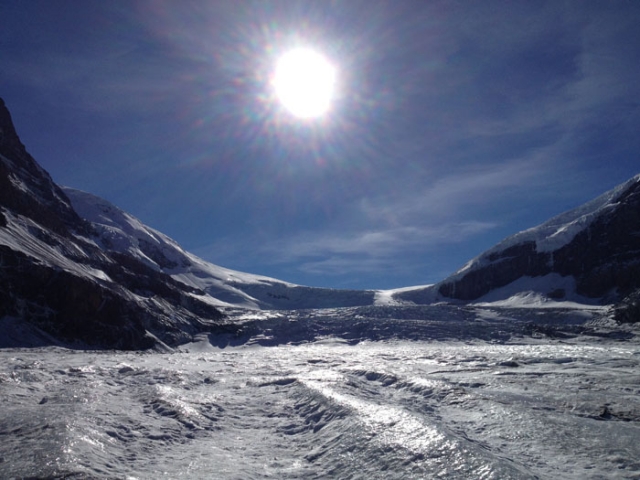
(489, 394)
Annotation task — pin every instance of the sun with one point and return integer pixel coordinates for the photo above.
(304, 82)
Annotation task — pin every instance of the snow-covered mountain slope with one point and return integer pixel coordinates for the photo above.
(64, 284)
(588, 255)
(118, 231)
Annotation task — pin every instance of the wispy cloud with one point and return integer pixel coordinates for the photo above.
(369, 252)
(379, 243)
(340, 253)
(450, 196)
(109, 85)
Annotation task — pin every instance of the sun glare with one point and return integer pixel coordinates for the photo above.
(304, 82)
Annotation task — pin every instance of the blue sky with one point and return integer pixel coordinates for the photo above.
(455, 123)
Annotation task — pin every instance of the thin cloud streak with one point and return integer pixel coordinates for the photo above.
(381, 251)
(450, 195)
(353, 252)
(379, 244)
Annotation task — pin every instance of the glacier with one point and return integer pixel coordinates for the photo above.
(388, 392)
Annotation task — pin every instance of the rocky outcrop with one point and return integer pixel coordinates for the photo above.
(54, 276)
(628, 310)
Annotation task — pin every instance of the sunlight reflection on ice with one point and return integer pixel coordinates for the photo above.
(390, 424)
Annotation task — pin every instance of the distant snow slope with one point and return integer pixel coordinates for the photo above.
(25, 236)
(118, 231)
(392, 297)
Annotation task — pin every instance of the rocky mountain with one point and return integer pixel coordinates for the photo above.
(57, 281)
(590, 254)
(75, 268)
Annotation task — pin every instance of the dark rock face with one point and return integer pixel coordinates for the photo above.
(604, 258)
(125, 305)
(507, 266)
(25, 188)
(69, 307)
(606, 255)
(628, 310)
